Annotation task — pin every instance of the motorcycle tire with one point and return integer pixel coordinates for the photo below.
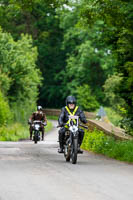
(67, 152)
(35, 137)
(68, 157)
(74, 151)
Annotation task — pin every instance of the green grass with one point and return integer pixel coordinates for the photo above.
(52, 117)
(14, 132)
(48, 127)
(113, 116)
(17, 131)
(98, 142)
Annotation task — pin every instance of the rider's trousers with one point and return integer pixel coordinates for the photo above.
(62, 135)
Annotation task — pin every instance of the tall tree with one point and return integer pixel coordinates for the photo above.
(38, 18)
(118, 31)
(19, 77)
(89, 59)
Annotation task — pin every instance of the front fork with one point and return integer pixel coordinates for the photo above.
(72, 137)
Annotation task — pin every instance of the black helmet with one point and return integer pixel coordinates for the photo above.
(70, 100)
(39, 107)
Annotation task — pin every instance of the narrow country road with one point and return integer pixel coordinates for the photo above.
(31, 171)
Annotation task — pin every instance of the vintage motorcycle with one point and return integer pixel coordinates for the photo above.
(36, 130)
(71, 139)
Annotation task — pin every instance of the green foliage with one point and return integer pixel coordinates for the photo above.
(48, 127)
(13, 132)
(38, 18)
(88, 43)
(17, 63)
(113, 116)
(117, 32)
(127, 124)
(52, 117)
(17, 131)
(97, 142)
(123, 151)
(5, 113)
(89, 61)
(85, 99)
(71, 55)
(86, 68)
(19, 77)
(94, 141)
(111, 88)
(22, 111)
(126, 90)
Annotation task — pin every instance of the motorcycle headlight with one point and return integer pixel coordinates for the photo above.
(37, 126)
(74, 128)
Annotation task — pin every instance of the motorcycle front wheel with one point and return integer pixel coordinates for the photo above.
(74, 151)
(67, 152)
(35, 137)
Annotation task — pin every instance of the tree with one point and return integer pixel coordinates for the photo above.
(111, 89)
(89, 60)
(38, 18)
(118, 20)
(85, 98)
(19, 77)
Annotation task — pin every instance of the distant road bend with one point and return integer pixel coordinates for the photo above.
(38, 172)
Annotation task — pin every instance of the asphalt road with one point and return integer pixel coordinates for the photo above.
(31, 171)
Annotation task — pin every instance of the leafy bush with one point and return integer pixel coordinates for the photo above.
(22, 112)
(17, 131)
(127, 124)
(97, 142)
(5, 113)
(13, 132)
(127, 120)
(19, 75)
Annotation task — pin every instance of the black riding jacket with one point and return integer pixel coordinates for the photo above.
(64, 116)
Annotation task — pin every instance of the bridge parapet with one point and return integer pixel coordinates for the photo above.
(107, 128)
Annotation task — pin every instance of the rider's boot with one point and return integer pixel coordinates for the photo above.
(30, 136)
(42, 136)
(79, 150)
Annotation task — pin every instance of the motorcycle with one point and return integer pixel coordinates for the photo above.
(71, 139)
(36, 130)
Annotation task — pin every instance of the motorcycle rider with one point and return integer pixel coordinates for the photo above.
(40, 116)
(70, 109)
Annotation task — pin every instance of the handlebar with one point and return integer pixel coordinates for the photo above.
(39, 122)
(86, 127)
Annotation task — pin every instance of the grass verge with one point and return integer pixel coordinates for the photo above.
(113, 116)
(98, 142)
(48, 127)
(52, 117)
(17, 131)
